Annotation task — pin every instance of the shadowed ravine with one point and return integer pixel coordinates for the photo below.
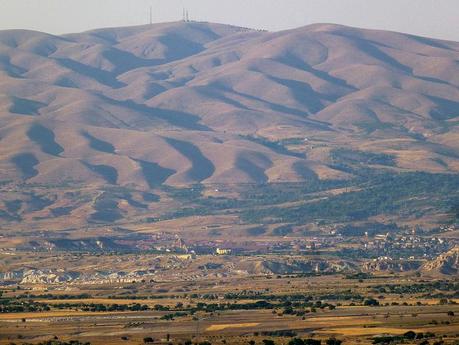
(201, 167)
(45, 138)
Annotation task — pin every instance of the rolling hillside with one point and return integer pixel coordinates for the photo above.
(182, 103)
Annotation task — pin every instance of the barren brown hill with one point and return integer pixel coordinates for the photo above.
(181, 103)
(447, 263)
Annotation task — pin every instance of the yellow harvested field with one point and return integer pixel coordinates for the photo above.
(48, 314)
(365, 330)
(231, 325)
(435, 301)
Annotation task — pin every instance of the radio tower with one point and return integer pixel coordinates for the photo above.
(151, 15)
(185, 15)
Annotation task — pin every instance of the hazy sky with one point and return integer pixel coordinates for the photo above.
(435, 18)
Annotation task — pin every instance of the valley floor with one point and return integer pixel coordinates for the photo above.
(236, 311)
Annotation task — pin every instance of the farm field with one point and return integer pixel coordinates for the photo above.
(231, 311)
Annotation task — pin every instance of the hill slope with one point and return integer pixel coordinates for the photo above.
(181, 103)
(165, 122)
(446, 263)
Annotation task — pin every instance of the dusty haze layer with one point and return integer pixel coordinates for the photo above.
(182, 103)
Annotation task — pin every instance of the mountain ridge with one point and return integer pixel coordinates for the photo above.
(212, 103)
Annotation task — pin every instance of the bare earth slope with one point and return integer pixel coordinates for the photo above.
(447, 263)
(182, 103)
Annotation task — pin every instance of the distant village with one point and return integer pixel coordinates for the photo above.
(408, 244)
(398, 251)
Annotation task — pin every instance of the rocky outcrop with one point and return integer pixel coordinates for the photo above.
(48, 277)
(305, 266)
(14, 275)
(446, 263)
(390, 265)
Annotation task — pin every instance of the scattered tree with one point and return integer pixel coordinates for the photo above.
(333, 341)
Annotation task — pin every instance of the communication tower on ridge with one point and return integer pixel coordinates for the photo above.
(185, 15)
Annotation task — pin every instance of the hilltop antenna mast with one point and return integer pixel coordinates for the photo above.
(151, 15)
(185, 15)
